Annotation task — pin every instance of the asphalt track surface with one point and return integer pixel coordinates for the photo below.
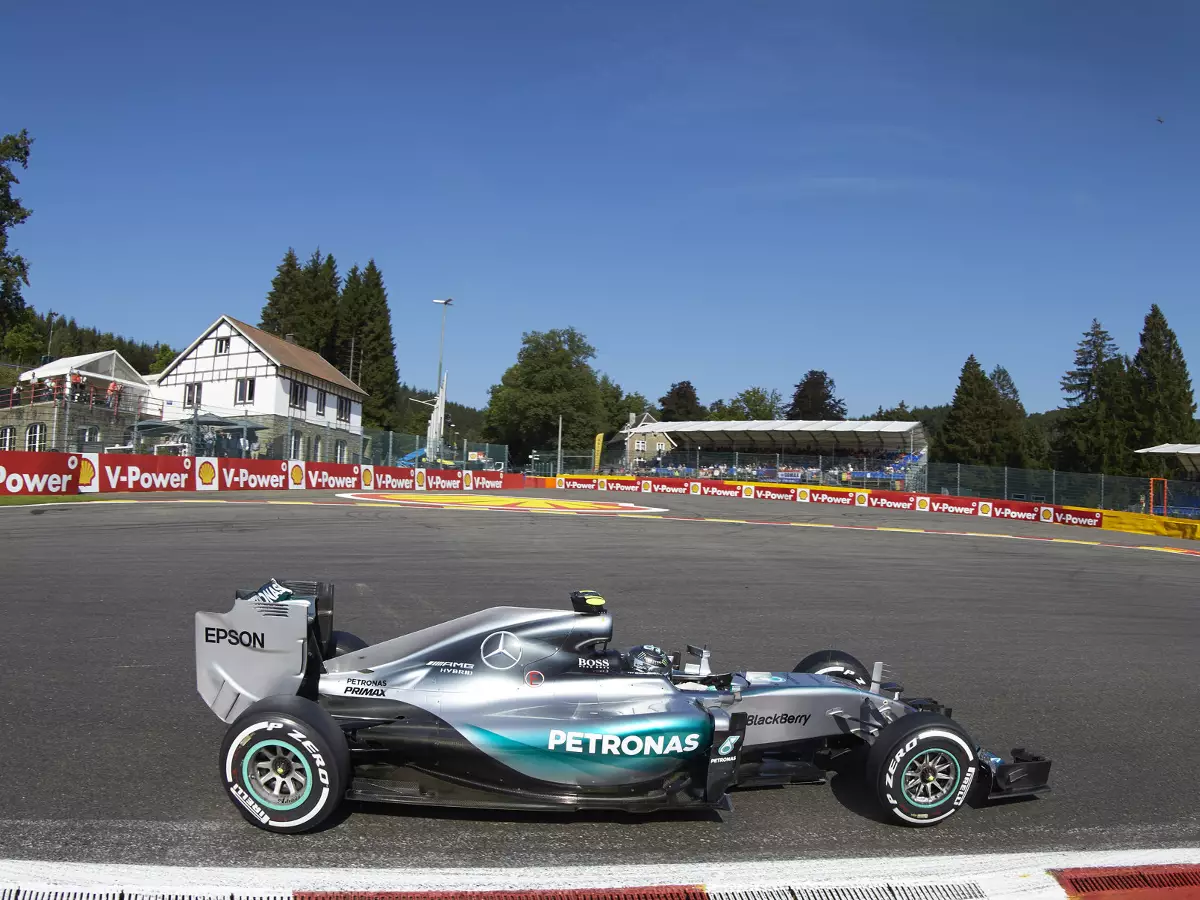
(1088, 653)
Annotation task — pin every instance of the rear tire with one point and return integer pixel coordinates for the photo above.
(836, 664)
(921, 768)
(343, 642)
(285, 764)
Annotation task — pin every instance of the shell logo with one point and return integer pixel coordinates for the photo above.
(297, 475)
(467, 482)
(645, 487)
(748, 491)
(694, 487)
(367, 477)
(602, 484)
(420, 478)
(559, 483)
(802, 495)
(923, 504)
(207, 473)
(87, 473)
(985, 509)
(1046, 514)
(860, 499)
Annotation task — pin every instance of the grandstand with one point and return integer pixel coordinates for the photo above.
(861, 454)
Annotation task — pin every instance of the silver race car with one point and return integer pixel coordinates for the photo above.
(529, 709)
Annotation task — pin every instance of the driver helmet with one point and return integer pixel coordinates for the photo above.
(649, 660)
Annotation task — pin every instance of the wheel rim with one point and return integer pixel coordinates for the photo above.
(931, 777)
(277, 774)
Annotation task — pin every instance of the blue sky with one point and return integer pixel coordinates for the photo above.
(730, 193)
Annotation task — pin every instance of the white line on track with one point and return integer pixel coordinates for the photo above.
(1000, 875)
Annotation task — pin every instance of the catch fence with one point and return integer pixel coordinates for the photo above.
(394, 448)
(891, 471)
(1174, 497)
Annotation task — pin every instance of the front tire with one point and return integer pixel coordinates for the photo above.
(922, 767)
(285, 764)
(836, 664)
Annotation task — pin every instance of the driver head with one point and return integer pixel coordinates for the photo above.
(649, 660)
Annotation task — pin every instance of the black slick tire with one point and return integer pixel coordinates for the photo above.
(836, 664)
(921, 768)
(343, 642)
(285, 764)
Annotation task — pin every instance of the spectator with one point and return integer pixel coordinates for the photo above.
(111, 395)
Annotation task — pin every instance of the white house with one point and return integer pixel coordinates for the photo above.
(301, 401)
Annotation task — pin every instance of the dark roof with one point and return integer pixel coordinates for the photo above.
(293, 356)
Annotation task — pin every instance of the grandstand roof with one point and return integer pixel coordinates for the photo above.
(776, 434)
(1187, 454)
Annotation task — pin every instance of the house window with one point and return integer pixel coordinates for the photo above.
(222, 346)
(639, 445)
(660, 446)
(320, 403)
(343, 409)
(299, 397)
(191, 394)
(244, 391)
(88, 435)
(317, 448)
(8, 438)
(297, 446)
(339, 451)
(35, 437)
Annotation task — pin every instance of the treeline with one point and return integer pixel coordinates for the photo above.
(31, 335)
(1114, 404)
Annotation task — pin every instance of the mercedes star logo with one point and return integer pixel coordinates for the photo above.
(500, 650)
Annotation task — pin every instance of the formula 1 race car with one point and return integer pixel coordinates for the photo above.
(529, 709)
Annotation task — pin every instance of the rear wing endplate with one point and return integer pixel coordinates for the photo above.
(257, 649)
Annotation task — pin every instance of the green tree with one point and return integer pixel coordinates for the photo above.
(969, 434)
(618, 406)
(1092, 433)
(754, 403)
(814, 399)
(366, 345)
(24, 341)
(680, 404)
(1161, 391)
(162, 358)
(1010, 434)
(280, 312)
(14, 269)
(317, 319)
(898, 413)
(552, 376)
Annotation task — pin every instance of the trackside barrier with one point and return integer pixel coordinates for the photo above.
(1016, 510)
(23, 473)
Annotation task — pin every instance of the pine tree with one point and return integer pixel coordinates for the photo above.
(375, 346)
(315, 320)
(1161, 390)
(280, 311)
(1093, 432)
(1010, 434)
(969, 434)
(814, 399)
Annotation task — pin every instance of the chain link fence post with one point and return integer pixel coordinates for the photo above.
(1006, 482)
(958, 479)
(1053, 487)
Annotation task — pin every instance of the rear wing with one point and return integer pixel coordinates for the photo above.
(267, 644)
